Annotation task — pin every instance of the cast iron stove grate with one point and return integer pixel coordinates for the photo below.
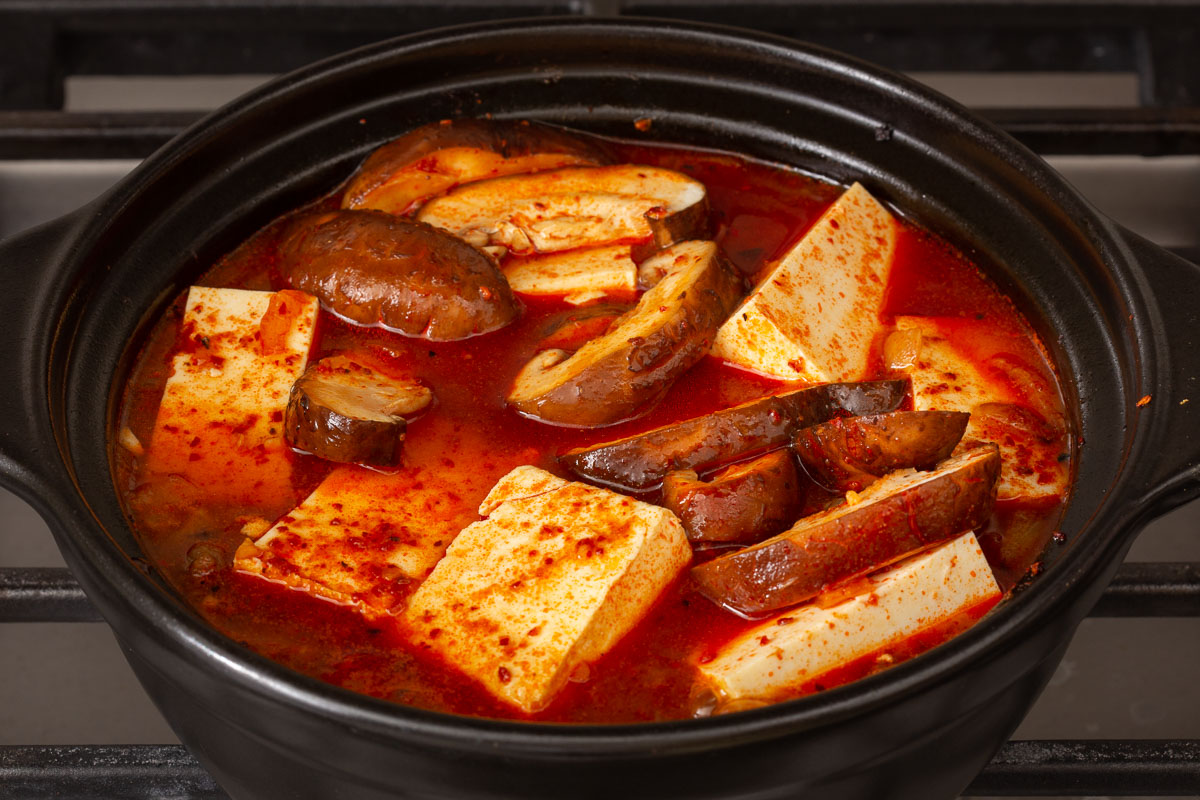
(44, 42)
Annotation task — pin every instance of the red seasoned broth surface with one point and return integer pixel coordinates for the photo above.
(758, 211)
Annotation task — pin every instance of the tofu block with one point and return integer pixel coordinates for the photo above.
(578, 276)
(1033, 453)
(816, 314)
(949, 375)
(220, 423)
(776, 658)
(553, 578)
(522, 482)
(362, 537)
(966, 365)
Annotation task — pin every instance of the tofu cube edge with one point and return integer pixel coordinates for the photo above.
(549, 580)
(816, 314)
(220, 421)
(770, 659)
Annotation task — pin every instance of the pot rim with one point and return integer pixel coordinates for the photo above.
(1063, 585)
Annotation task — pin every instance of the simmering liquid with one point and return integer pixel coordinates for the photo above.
(759, 210)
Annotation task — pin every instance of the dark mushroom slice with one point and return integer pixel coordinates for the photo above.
(429, 160)
(579, 327)
(342, 411)
(744, 502)
(666, 228)
(848, 454)
(898, 515)
(627, 370)
(640, 462)
(376, 269)
(563, 209)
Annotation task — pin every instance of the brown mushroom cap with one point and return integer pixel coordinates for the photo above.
(377, 269)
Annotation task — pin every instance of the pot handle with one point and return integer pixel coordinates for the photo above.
(31, 295)
(1170, 409)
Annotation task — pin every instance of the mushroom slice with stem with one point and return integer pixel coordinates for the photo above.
(626, 371)
(563, 209)
(340, 410)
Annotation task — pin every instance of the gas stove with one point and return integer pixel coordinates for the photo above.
(1108, 92)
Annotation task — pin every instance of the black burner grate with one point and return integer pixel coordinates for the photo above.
(43, 41)
(1157, 40)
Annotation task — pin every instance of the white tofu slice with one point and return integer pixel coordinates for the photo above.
(1033, 454)
(522, 482)
(772, 659)
(220, 423)
(946, 376)
(362, 537)
(579, 276)
(816, 314)
(963, 365)
(553, 578)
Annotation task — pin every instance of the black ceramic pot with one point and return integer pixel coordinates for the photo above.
(1119, 316)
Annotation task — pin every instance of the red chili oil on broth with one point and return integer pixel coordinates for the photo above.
(759, 211)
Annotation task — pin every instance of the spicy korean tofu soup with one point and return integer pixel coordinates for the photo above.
(522, 423)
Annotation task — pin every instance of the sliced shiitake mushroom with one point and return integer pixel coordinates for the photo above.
(376, 269)
(579, 327)
(340, 410)
(900, 514)
(848, 454)
(431, 159)
(640, 462)
(627, 370)
(574, 207)
(744, 502)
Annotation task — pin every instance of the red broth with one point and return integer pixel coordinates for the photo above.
(758, 211)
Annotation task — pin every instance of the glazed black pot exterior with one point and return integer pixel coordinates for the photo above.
(1117, 314)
